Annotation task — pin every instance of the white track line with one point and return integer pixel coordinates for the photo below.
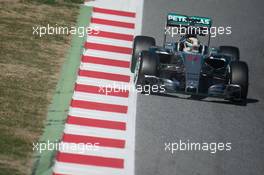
(105, 68)
(95, 132)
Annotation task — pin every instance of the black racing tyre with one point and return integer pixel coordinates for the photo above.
(140, 43)
(239, 76)
(149, 63)
(232, 51)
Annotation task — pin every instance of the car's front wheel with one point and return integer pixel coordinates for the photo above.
(140, 44)
(239, 76)
(147, 65)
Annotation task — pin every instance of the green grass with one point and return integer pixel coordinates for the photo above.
(57, 1)
(30, 68)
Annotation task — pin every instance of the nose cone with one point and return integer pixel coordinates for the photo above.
(191, 89)
(192, 64)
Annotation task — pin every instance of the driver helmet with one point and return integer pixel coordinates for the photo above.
(191, 44)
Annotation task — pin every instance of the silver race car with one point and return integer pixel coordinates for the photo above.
(186, 65)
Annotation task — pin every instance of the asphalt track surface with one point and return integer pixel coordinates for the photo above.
(163, 119)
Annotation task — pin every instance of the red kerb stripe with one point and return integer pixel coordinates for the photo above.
(104, 75)
(113, 23)
(113, 35)
(105, 61)
(104, 142)
(96, 123)
(99, 106)
(114, 12)
(119, 92)
(90, 160)
(109, 48)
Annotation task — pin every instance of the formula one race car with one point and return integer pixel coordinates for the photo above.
(184, 65)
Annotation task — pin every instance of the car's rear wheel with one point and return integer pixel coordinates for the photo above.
(140, 44)
(239, 76)
(230, 50)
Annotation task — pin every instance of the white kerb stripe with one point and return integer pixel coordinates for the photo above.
(114, 29)
(98, 98)
(113, 17)
(78, 169)
(109, 41)
(105, 54)
(80, 149)
(104, 83)
(95, 132)
(100, 115)
(105, 68)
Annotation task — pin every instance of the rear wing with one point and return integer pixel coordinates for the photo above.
(188, 25)
(176, 20)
